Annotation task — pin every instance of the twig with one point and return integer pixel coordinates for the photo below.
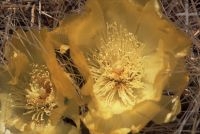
(33, 15)
(39, 16)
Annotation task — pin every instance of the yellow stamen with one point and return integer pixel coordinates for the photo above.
(117, 66)
(39, 95)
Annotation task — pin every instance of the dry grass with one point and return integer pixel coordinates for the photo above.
(38, 13)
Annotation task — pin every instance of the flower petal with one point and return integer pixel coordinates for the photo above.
(125, 13)
(154, 27)
(82, 28)
(139, 116)
(171, 106)
(178, 80)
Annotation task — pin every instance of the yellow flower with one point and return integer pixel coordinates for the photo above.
(40, 91)
(136, 58)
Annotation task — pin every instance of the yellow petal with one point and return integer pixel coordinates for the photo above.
(58, 39)
(5, 77)
(178, 80)
(16, 66)
(5, 111)
(171, 106)
(152, 28)
(79, 61)
(156, 68)
(60, 78)
(139, 116)
(28, 43)
(87, 88)
(81, 29)
(125, 13)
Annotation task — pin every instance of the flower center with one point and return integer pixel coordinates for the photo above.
(40, 94)
(117, 67)
(117, 76)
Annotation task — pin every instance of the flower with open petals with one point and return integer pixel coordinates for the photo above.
(39, 91)
(136, 60)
